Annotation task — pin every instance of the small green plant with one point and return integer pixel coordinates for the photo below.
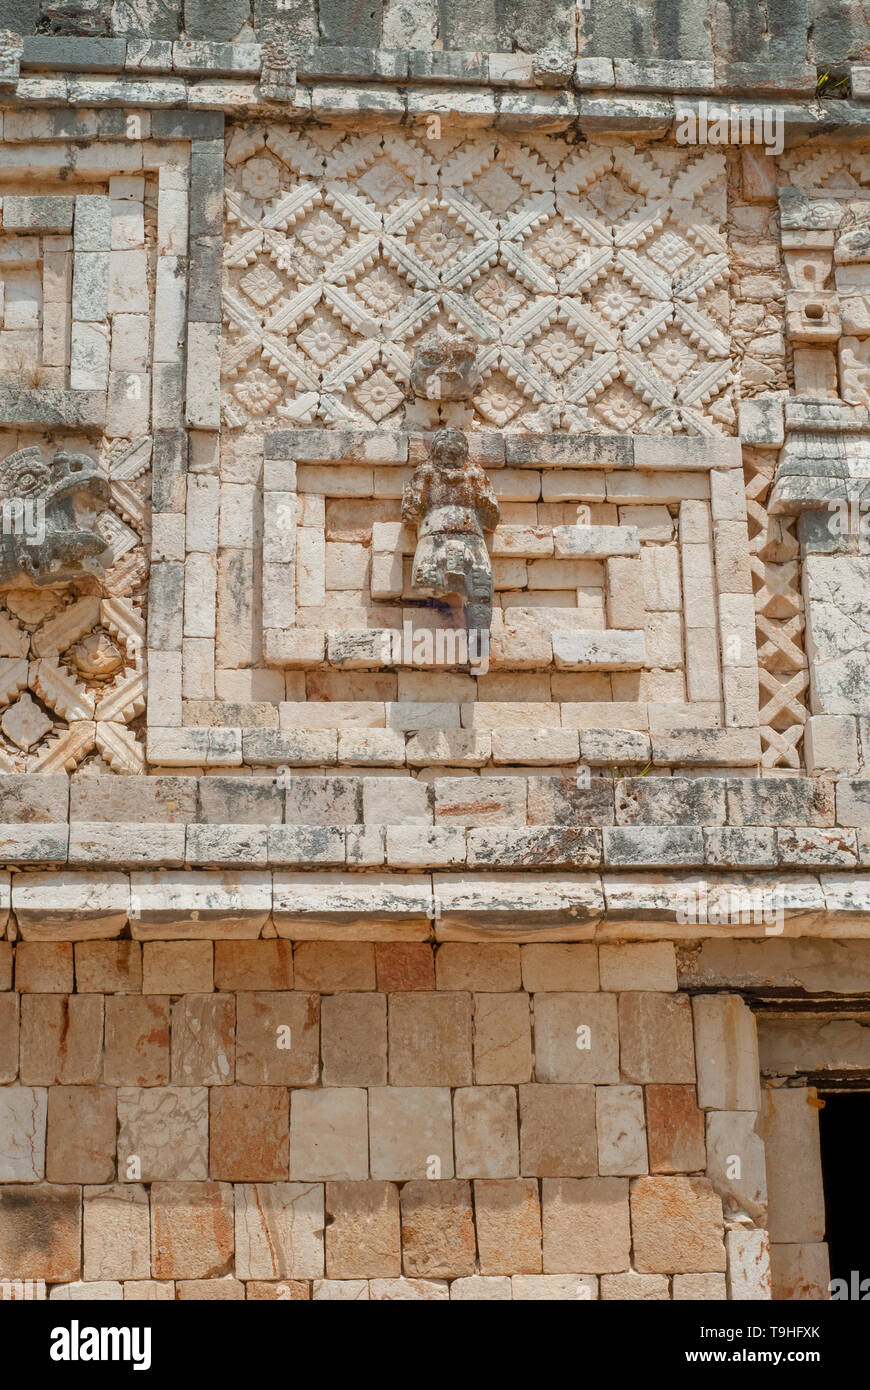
(827, 85)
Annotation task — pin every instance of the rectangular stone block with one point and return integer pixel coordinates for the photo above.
(410, 1132)
(502, 1039)
(676, 1226)
(430, 1039)
(621, 1128)
(485, 1132)
(675, 1130)
(108, 967)
(137, 1040)
(586, 1225)
(116, 1232)
(508, 1218)
(163, 1133)
(726, 1051)
(178, 967)
(279, 1230)
(277, 1038)
(790, 1130)
(576, 1037)
(41, 1232)
(438, 1235)
(329, 1134)
(192, 1233)
(656, 1037)
(466, 966)
(557, 966)
(203, 1040)
(253, 965)
(362, 1234)
(557, 1131)
(61, 1039)
(331, 966)
(249, 1133)
(80, 1134)
(23, 1129)
(354, 1039)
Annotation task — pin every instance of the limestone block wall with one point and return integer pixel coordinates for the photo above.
(352, 1120)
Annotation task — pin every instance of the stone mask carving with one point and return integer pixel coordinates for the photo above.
(451, 501)
(49, 512)
(444, 369)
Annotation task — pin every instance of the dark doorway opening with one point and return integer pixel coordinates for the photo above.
(844, 1133)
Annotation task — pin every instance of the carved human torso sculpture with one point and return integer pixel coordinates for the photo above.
(451, 501)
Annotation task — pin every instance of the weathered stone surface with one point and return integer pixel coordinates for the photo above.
(329, 1134)
(277, 1038)
(137, 1041)
(80, 1134)
(508, 1219)
(559, 967)
(249, 1133)
(675, 1128)
(354, 1040)
(748, 1264)
(410, 1132)
(61, 1039)
(430, 1039)
(203, 1027)
(438, 1237)
(789, 1126)
(576, 1037)
(44, 967)
(502, 1039)
(486, 1140)
(279, 1230)
(656, 1037)
(362, 1234)
(620, 1126)
(800, 1272)
(191, 1229)
(676, 1226)
(179, 967)
(255, 965)
(557, 1131)
(116, 1232)
(163, 1132)
(726, 1052)
(586, 1225)
(40, 1232)
(23, 1113)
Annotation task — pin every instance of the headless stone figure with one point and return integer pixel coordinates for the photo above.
(450, 500)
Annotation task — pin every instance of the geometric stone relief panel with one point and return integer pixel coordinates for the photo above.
(592, 279)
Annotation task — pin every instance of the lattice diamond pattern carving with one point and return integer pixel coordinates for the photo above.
(593, 279)
(783, 673)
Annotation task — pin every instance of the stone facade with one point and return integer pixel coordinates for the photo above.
(434, 677)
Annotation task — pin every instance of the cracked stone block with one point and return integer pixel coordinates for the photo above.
(279, 1230)
(162, 1133)
(502, 1039)
(116, 1232)
(192, 1234)
(23, 1112)
(203, 1041)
